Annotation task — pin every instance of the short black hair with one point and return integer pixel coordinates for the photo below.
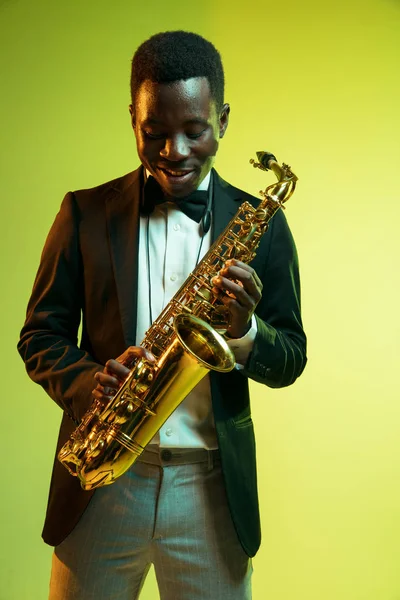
(178, 55)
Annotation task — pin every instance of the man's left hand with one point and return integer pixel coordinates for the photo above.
(239, 288)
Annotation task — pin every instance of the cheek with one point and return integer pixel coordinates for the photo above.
(210, 147)
(145, 151)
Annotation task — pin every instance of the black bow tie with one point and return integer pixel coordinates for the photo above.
(193, 206)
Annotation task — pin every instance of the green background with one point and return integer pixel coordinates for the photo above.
(317, 83)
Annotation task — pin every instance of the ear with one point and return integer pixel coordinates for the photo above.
(132, 113)
(224, 119)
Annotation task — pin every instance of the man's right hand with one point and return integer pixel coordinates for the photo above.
(115, 371)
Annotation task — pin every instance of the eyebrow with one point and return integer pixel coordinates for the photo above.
(194, 121)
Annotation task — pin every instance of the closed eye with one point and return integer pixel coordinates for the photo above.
(160, 136)
(154, 136)
(195, 136)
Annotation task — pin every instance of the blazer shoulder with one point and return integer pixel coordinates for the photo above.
(100, 193)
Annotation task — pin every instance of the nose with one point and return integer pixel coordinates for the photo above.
(176, 148)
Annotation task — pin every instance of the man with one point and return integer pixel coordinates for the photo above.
(114, 257)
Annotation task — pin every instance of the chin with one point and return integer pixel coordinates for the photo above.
(177, 187)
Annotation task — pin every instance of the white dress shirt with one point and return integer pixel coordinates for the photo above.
(174, 243)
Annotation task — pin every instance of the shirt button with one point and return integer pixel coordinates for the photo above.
(168, 432)
(166, 455)
(177, 227)
(173, 277)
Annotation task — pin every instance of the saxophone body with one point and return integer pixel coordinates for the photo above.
(187, 342)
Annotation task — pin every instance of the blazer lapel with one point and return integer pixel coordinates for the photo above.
(226, 201)
(123, 226)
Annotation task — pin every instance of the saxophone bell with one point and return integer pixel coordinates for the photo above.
(145, 401)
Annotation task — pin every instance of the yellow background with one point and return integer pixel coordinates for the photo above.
(317, 83)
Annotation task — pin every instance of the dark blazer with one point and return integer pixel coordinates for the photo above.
(88, 274)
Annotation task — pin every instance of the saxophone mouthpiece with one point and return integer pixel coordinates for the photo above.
(264, 158)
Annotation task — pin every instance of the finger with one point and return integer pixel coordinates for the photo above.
(105, 391)
(246, 271)
(116, 369)
(233, 262)
(236, 309)
(107, 380)
(245, 267)
(248, 277)
(240, 321)
(133, 353)
(99, 394)
(240, 293)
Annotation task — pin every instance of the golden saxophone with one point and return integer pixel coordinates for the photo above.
(186, 344)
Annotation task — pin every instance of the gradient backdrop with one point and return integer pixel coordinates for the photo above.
(317, 83)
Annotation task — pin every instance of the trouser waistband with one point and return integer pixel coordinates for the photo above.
(165, 457)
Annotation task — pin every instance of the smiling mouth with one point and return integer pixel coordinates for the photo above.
(175, 173)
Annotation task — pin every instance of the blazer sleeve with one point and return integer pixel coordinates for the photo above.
(49, 338)
(278, 355)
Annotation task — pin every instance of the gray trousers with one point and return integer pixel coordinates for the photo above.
(170, 510)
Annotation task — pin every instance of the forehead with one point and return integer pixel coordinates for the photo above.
(184, 99)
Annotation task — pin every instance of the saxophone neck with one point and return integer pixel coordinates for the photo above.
(280, 191)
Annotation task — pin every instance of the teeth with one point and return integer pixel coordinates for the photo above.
(175, 173)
